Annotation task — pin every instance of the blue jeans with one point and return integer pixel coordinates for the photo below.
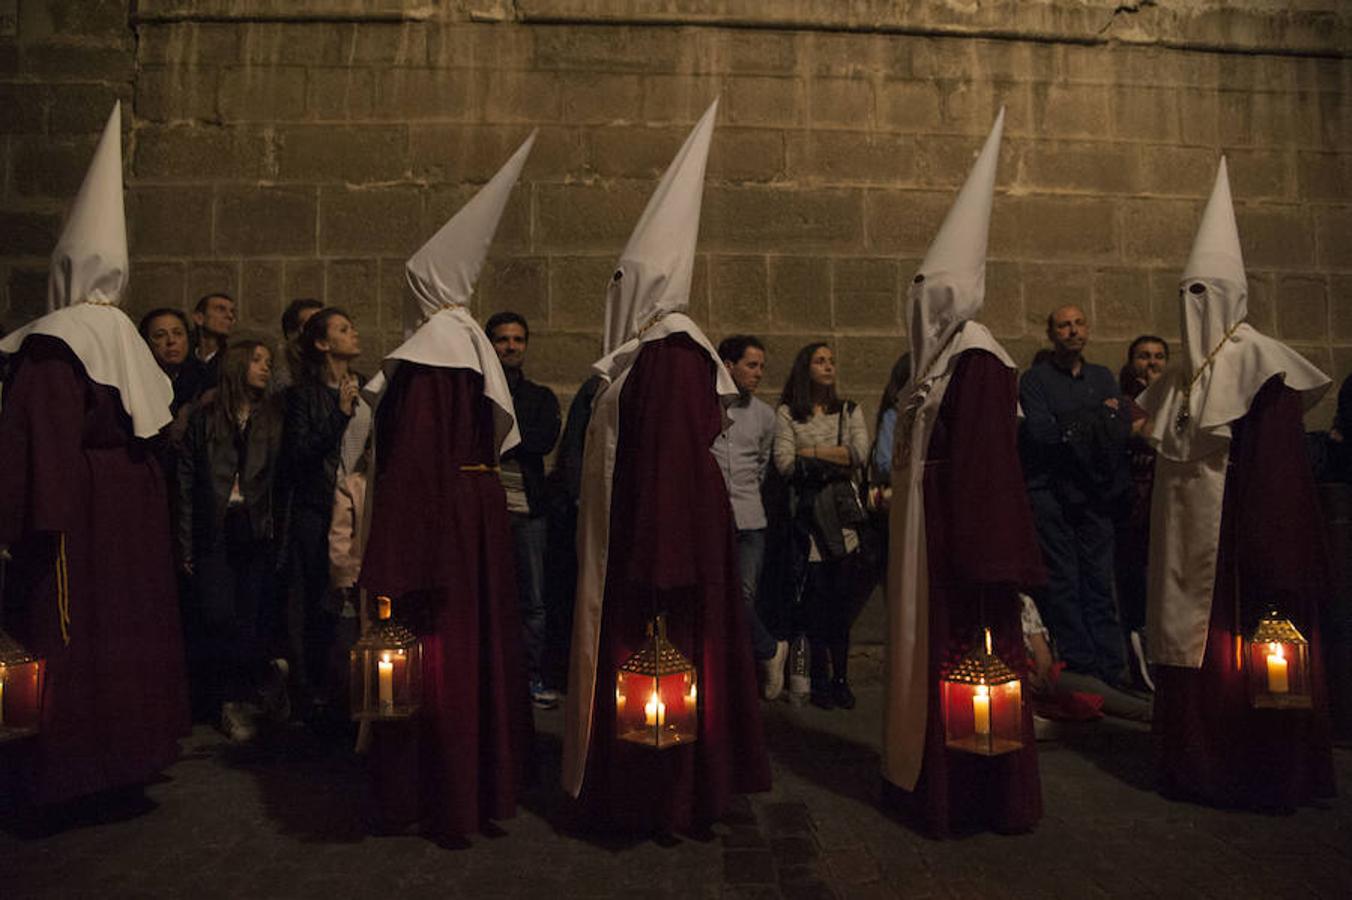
(750, 556)
(531, 537)
(1078, 605)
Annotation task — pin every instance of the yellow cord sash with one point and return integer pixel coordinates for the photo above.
(63, 588)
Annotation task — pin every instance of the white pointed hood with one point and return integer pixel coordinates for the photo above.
(85, 284)
(650, 288)
(950, 287)
(441, 276)
(1238, 360)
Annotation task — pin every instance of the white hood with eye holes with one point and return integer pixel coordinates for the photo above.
(1213, 302)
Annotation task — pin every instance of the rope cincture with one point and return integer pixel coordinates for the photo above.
(1185, 412)
(63, 589)
(481, 468)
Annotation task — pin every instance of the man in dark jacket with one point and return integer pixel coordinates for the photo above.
(1073, 443)
(523, 478)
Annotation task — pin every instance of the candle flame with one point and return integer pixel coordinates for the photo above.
(1276, 650)
(654, 711)
(982, 690)
(385, 657)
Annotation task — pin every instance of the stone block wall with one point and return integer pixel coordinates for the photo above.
(282, 149)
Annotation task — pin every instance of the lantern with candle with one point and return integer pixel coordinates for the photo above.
(1279, 665)
(21, 674)
(656, 698)
(386, 670)
(982, 703)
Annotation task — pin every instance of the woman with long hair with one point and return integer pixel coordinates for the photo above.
(225, 530)
(321, 408)
(820, 440)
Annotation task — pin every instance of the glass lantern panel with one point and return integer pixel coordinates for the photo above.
(657, 711)
(983, 719)
(1279, 675)
(386, 682)
(20, 699)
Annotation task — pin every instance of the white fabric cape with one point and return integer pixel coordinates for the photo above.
(451, 339)
(113, 354)
(906, 713)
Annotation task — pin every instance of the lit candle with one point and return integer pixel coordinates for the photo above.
(1276, 666)
(619, 699)
(654, 711)
(386, 672)
(691, 698)
(981, 709)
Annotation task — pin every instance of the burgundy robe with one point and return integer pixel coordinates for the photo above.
(440, 544)
(115, 699)
(1216, 747)
(982, 547)
(672, 549)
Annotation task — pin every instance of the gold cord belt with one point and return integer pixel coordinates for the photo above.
(482, 468)
(1185, 411)
(63, 589)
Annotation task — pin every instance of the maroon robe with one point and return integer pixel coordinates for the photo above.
(1216, 747)
(672, 549)
(440, 544)
(115, 699)
(982, 547)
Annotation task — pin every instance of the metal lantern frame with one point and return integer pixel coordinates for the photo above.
(1278, 658)
(386, 671)
(982, 703)
(21, 677)
(657, 694)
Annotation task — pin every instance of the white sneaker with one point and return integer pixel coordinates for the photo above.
(800, 688)
(237, 723)
(772, 672)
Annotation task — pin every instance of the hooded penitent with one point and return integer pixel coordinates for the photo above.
(644, 302)
(944, 296)
(441, 277)
(85, 285)
(1225, 362)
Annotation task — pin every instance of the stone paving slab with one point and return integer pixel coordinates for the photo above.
(286, 819)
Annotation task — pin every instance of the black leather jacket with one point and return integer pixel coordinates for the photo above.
(312, 443)
(207, 464)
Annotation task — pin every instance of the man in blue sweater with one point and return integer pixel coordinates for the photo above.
(1073, 441)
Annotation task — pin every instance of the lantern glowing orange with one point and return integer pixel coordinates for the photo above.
(982, 703)
(1279, 665)
(21, 675)
(656, 700)
(386, 670)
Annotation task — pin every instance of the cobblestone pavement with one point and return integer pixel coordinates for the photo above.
(285, 819)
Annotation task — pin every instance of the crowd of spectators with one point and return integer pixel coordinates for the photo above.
(267, 460)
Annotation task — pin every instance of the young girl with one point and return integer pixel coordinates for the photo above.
(225, 529)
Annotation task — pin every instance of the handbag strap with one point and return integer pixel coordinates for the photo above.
(846, 408)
